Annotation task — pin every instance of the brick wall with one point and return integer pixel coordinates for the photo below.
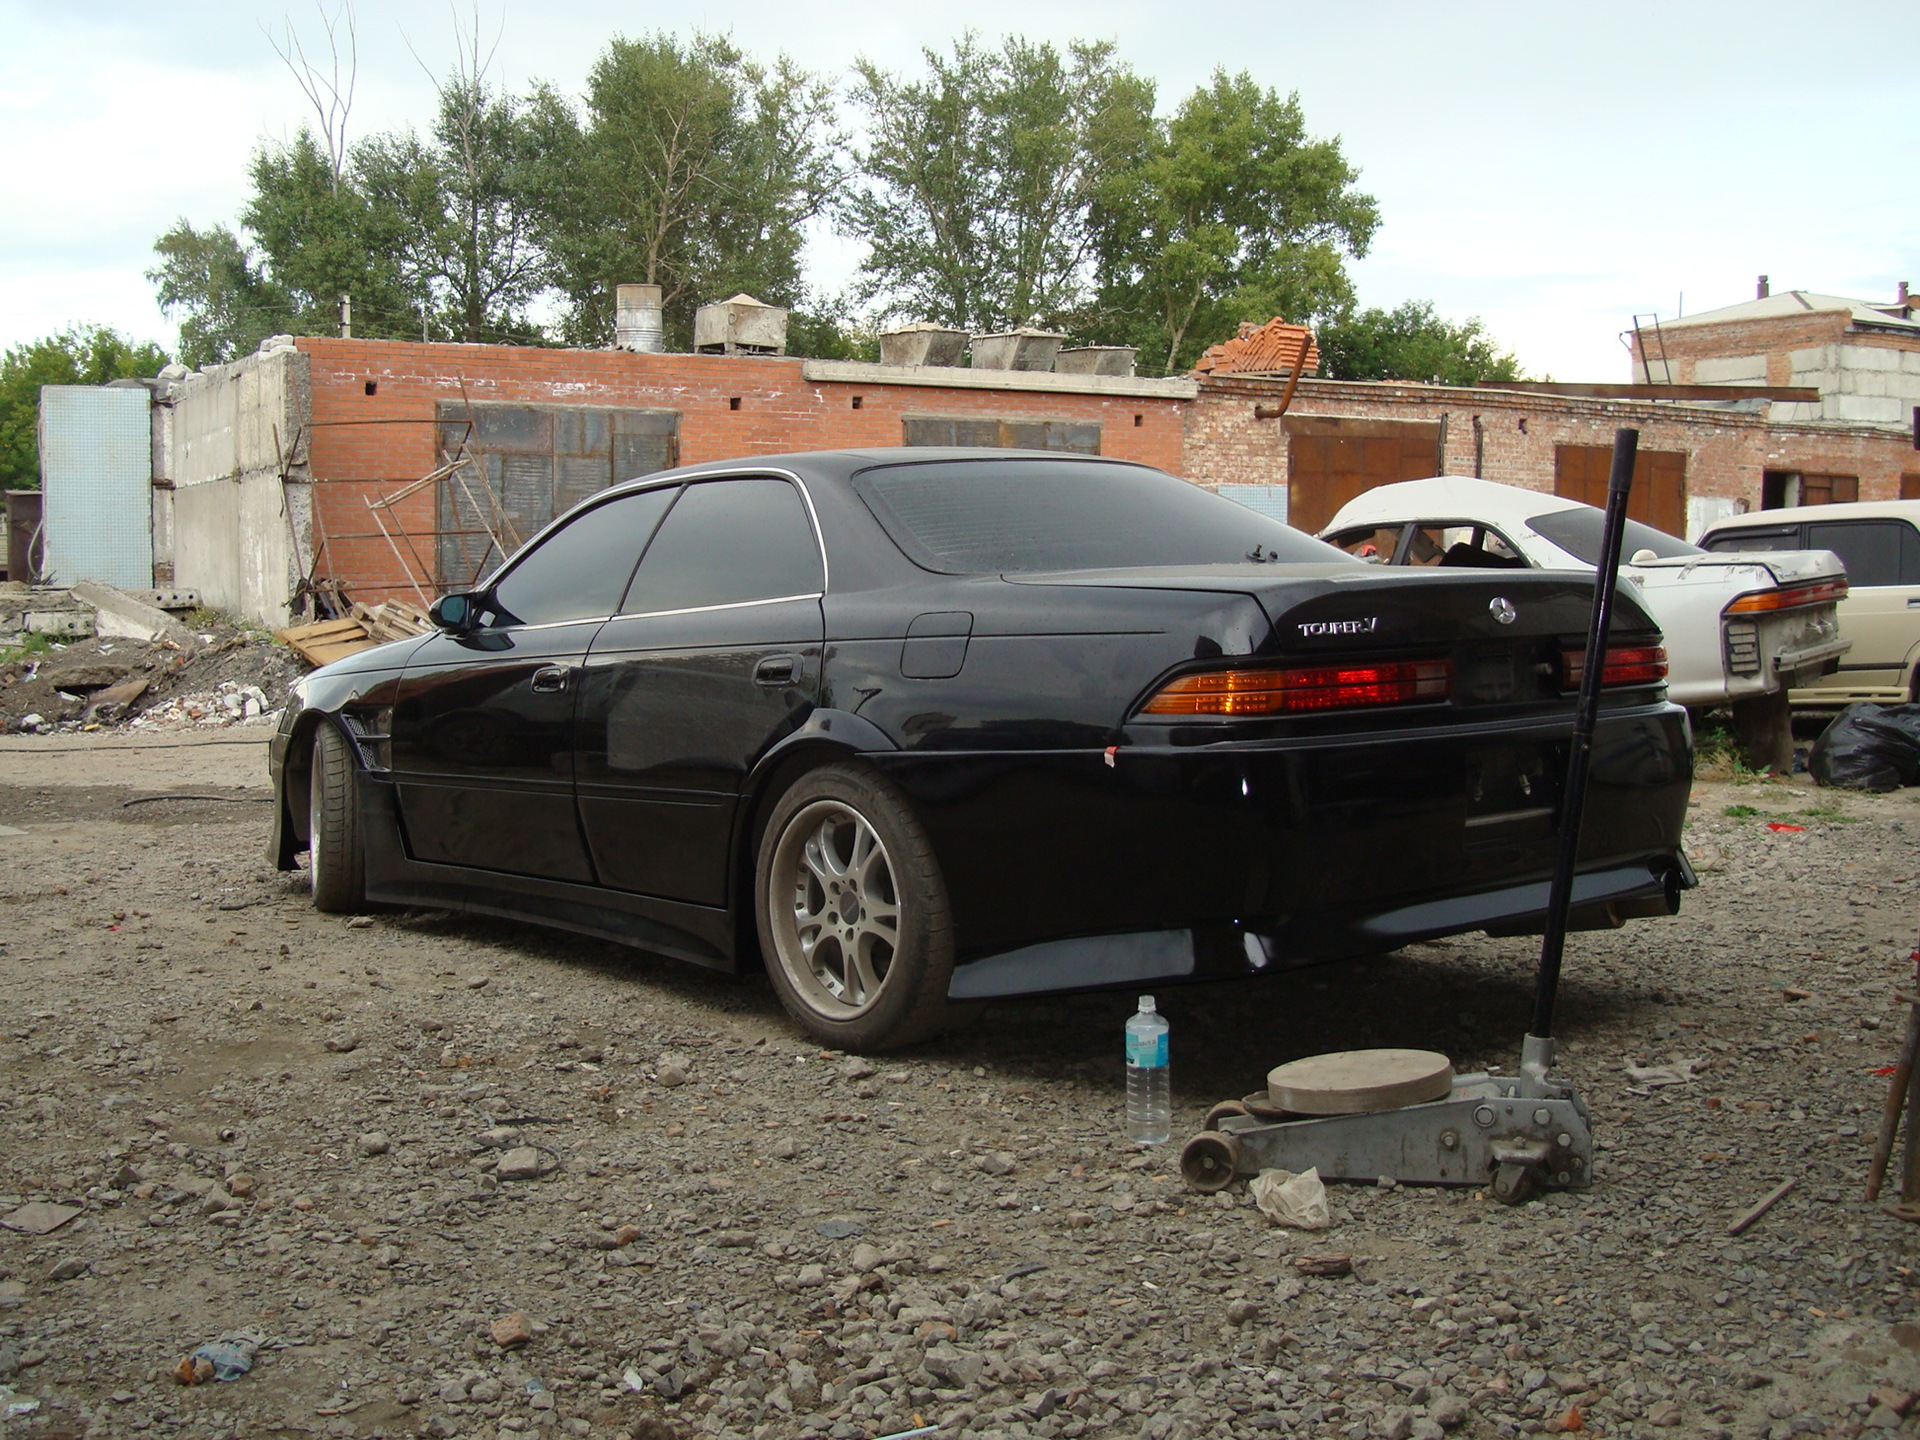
(366, 445)
(1726, 451)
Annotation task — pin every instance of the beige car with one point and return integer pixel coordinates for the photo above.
(1879, 541)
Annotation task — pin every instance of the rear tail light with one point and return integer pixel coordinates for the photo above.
(1624, 665)
(1788, 597)
(1302, 688)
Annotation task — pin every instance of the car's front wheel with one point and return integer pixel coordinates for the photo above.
(337, 860)
(852, 912)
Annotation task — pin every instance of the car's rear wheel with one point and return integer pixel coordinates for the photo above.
(338, 862)
(853, 913)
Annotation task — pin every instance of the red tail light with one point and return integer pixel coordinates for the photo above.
(1788, 597)
(1299, 688)
(1624, 665)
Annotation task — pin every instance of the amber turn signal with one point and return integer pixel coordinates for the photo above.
(1282, 691)
(1788, 597)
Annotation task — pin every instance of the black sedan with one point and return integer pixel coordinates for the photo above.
(918, 727)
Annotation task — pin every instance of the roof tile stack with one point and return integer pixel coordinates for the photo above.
(1272, 348)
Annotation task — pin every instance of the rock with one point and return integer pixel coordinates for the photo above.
(1396, 1423)
(442, 1427)
(1448, 1411)
(996, 1162)
(1881, 1417)
(1666, 1414)
(453, 1393)
(857, 1068)
(375, 1142)
(342, 1044)
(72, 1267)
(866, 1257)
(786, 1148)
(512, 1332)
(1425, 1428)
(954, 1366)
(1239, 1312)
(672, 1070)
(485, 1391)
(241, 1185)
(626, 1235)
(521, 1164)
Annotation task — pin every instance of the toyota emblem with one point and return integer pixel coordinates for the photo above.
(1502, 609)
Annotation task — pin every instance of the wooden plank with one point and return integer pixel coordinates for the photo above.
(326, 641)
(1760, 1207)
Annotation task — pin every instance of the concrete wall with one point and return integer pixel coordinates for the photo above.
(240, 536)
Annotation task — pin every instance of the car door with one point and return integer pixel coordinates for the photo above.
(483, 719)
(714, 656)
(1881, 614)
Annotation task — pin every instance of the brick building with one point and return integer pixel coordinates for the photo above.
(329, 461)
(1697, 461)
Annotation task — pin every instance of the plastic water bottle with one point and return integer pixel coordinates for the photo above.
(1149, 1093)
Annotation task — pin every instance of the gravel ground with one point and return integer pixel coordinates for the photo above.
(459, 1178)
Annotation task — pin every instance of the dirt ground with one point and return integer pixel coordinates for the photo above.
(454, 1177)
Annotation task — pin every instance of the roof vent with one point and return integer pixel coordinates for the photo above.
(740, 326)
(638, 321)
(923, 344)
(1022, 349)
(1762, 293)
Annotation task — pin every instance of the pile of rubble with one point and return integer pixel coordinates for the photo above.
(94, 658)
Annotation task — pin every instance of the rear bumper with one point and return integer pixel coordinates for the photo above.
(1316, 847)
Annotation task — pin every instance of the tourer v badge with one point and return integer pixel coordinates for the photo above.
(1364, 626)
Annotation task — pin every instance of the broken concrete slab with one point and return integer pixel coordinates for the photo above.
(40, 1217)
(119, 614)
(60, 624)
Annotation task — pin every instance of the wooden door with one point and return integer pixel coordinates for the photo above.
(1659, 494)
(1332, 459)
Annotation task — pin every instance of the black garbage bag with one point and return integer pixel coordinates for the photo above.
(1869, 747)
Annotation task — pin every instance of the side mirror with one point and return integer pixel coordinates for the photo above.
(454, 613)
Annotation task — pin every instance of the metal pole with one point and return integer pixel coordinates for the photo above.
(1560, 896)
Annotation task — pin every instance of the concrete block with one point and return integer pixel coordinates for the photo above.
(740, 326)
(1871, 409)
(118, 613)
(60, 624)
(1792, 414)
(1730, 370)
(1868, 357)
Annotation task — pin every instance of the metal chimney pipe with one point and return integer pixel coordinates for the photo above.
(638, 320)
(1763, 289)
(1903, 292)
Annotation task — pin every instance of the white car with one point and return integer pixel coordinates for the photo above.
(1740, 628)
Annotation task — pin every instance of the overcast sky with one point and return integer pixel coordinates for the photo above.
(1553, 169)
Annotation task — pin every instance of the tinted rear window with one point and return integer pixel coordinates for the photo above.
(1578, 533)
(1744, 540)
(1020, 516)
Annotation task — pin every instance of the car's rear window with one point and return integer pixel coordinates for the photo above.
(1578, 532)
(1028, 515)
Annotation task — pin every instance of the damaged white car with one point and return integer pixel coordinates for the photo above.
(1741, 629)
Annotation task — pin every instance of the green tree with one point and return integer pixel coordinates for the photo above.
(460, 205)
(978, 180)
(1228, 211)
(213, 285)
(324, 236)
(85, 355)
(1411, 342)
(689, 167)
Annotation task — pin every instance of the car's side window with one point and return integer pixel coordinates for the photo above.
(728, 542)
(1376, 543)
(579, 571)
(1871, 549)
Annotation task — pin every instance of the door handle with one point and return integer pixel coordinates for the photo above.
(550, 680)
(775, 670)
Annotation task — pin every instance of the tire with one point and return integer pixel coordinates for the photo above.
(852, 912)
(337, 860)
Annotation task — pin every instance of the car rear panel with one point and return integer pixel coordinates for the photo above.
(1304, 830)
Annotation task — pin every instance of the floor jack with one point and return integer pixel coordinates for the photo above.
(1516, 1134)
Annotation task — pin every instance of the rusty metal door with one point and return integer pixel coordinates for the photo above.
(1332, 459)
